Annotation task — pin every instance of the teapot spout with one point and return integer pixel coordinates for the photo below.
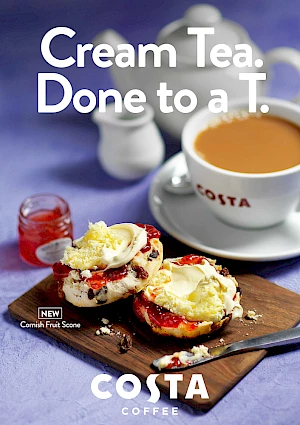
(121, 76)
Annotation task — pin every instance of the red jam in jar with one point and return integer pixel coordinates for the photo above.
(45, 229)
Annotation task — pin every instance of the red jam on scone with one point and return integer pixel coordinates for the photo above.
(108, 263)
(189, 296)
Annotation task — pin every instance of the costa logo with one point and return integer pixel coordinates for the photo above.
(223, 199)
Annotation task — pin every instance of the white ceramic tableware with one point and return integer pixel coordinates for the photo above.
(186, 75)
(130, 145)
(243, 199)
(191, 222)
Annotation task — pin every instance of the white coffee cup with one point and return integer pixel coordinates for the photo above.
(242, 199)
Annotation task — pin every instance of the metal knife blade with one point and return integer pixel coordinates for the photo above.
(276, 339)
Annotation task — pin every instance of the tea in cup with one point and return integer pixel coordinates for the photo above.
(246, 167)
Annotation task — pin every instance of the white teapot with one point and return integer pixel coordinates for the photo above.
(186, 75)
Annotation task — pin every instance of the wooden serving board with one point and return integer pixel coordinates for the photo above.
(280, 309)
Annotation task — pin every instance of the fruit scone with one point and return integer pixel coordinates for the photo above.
(108, 263)
(188, 297)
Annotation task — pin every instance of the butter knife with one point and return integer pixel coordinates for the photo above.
(276, 339)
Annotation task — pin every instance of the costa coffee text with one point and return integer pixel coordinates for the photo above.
(196, 386)
(223, 199)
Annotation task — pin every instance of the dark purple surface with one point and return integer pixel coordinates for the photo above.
(42, 381)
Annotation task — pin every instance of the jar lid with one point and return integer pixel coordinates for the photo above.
(200, 15)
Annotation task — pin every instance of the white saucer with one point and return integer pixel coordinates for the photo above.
(188, 219)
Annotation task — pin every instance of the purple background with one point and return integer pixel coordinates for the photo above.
(45, 382)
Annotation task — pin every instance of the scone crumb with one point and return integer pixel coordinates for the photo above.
(86, 274)
(104, 330)
(105, 321)
(221, 340)
(251, 315)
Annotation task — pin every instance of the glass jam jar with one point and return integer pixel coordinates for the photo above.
(45, 229)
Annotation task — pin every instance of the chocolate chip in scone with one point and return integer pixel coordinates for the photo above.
(141, 273)
(225, 271)
(90, 294)
(101, 296)
(154, 254)
(125, 343)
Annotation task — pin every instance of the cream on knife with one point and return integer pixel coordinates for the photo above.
(201, 354)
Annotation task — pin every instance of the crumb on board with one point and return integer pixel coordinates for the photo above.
(104, 321)
(104, 330)
(251, 315)
(125, 343)
(221, 340)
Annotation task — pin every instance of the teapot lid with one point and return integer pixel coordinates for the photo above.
(200, 15)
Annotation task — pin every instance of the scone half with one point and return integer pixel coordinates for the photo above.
(189, 297)
(97, 286)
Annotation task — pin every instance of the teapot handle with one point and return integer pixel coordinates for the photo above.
(286, 55)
